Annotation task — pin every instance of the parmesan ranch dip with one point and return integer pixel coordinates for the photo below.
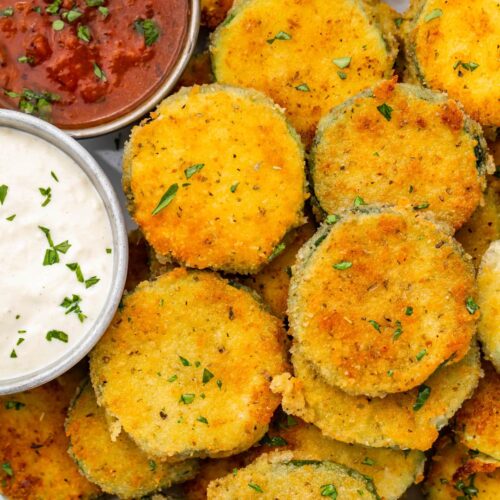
(55, 252)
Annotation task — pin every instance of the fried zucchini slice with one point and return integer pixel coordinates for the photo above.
(118, 467)
(186, 354)
(211, 169)
(489, 301)
(409, 420)
(478, 421)
(33, 446)
(213, 12)
(379, 299)
(308, 56)
(455, 475)
(453, 47)
(273, 281)
(279, 475)
(381, 146)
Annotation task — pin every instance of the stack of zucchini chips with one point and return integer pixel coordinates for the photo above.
(317, 314)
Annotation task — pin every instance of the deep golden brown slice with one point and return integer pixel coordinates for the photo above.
(213, 12)
(454, 474)
(35, 464)
(453, 46)
(273, 281)
(478, 421)
(489, 301)
(381, 146)
(379, 299)
(186, 365)
(198, 71)
(138, 260)
(408, 420)
(278, 475)
(216, 178)
(307, 55)
(119, 467)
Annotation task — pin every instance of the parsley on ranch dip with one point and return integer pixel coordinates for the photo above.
(55, 253)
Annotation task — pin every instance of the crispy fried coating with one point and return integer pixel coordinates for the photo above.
(453, 46)
(478, 421)
(408, 420)
(118, 467)
(489, 301)
(186, 366)
(212, 168)
(213, 12)
(33, 446)
(455, 475)
(198, 71)
(273, 281)
(138, 260)
(278, 475)
(381, 146)
(307, 55)
(378, 301)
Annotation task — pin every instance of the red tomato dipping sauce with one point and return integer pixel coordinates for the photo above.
(79, 63)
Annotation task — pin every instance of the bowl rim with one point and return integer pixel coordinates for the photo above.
(64, 143)
(161, 92)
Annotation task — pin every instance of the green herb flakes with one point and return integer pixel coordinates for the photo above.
(92, 281)
(7, 12)
(149, 29)
(390, 373)
(329, 490)
(282, 35)
(13, 353)
(99, 73)
(303, 87)
(421, 354)
(358, 202)
(409, 311)
(193, 169)
(75, 267)
(83, 33)
(173, 378)
(152, 465)
(273, 441)
(386, 111)
(7, 468)
(54, 176)
(433, 14)
(398, 331)
(421, 206)
(73, 15)
(234, 187)
(104, 11)
(207, 376)
(3, 193)
(342, 75)
(424, 391)
(72, 305)
(368, 461)
(398, 22)
(203, 420)
(342, 62)
(471, 305)
(278, 250)
(374, 324)
(14, 405)
(332, 219)
(58, 335)
(184, 361)
(187, 399)
(343, 265)
(11, 217)
(255, 487)
(166, 199)
(47, 193)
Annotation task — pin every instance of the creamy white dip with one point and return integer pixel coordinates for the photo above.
(55, 232)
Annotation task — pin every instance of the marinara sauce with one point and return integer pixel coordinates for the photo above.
(79, 63)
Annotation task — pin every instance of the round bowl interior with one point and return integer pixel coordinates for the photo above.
(51, 134)
(193, 26)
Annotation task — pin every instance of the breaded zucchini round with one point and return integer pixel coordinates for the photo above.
(34, 461)
(308, 56)
(213, 12)
(409, 420)
(118, 467)
(379, 299)
(186, 366)
(213, 167)
(273, 281)
(478, 421)
(454, 475)
(279, 475)
(453, 46)
(381, 146)
(489, 301)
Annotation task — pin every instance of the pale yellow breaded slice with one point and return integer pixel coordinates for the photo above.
(454, 474)
(453, 46)
(215, 179)
(381, 146)
(408, 420)
(477, 423)
(119, 467)
(380, 298)
(308, 56)
(273, 281)
(213, 12)
(186, 364)
(35, 464)
(279, 475)
(489, 301)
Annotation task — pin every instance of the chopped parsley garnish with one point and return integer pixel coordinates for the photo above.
(3, 193)
(328, 490)
(390, 373)
(398, 22)
(72, 305)
(358, 201)
(332, 219)
(103, 11)
(54, 176)
(173, 378)
(149, 29)
(409, 311)
(320, 240)
(469, 66)
(193, 169)
(303, 87)
(14, 405)
(13, 353)
(98, 71)
(374, 324)
(25, 60)
(75, 267)
(203, 420)
(278, 250)
(92, 281)
(58, 25)
(31, 102)
(386, 111)
(421, 206)
(108, 250)
(433, 14)
(7, 468)
(54, 7)
(207, 376)
(187, 399)
(219, 384)
(255, 487)
(184, 361)
(282, 35)
(424, 391)
(342, 62)
(273, 441)
(47, 192)
(166, 199)
(398, 331)
(7, 12)
(469, 490)
(342, 75)
(83, 33)
(52, 254)
(368, 461)
(94, 3)
(58, 335)
(343, 265)
(421, 354)
(152, 465)
(471, 305)
(234, 187)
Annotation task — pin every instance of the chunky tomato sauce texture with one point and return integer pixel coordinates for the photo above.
(79, 63)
